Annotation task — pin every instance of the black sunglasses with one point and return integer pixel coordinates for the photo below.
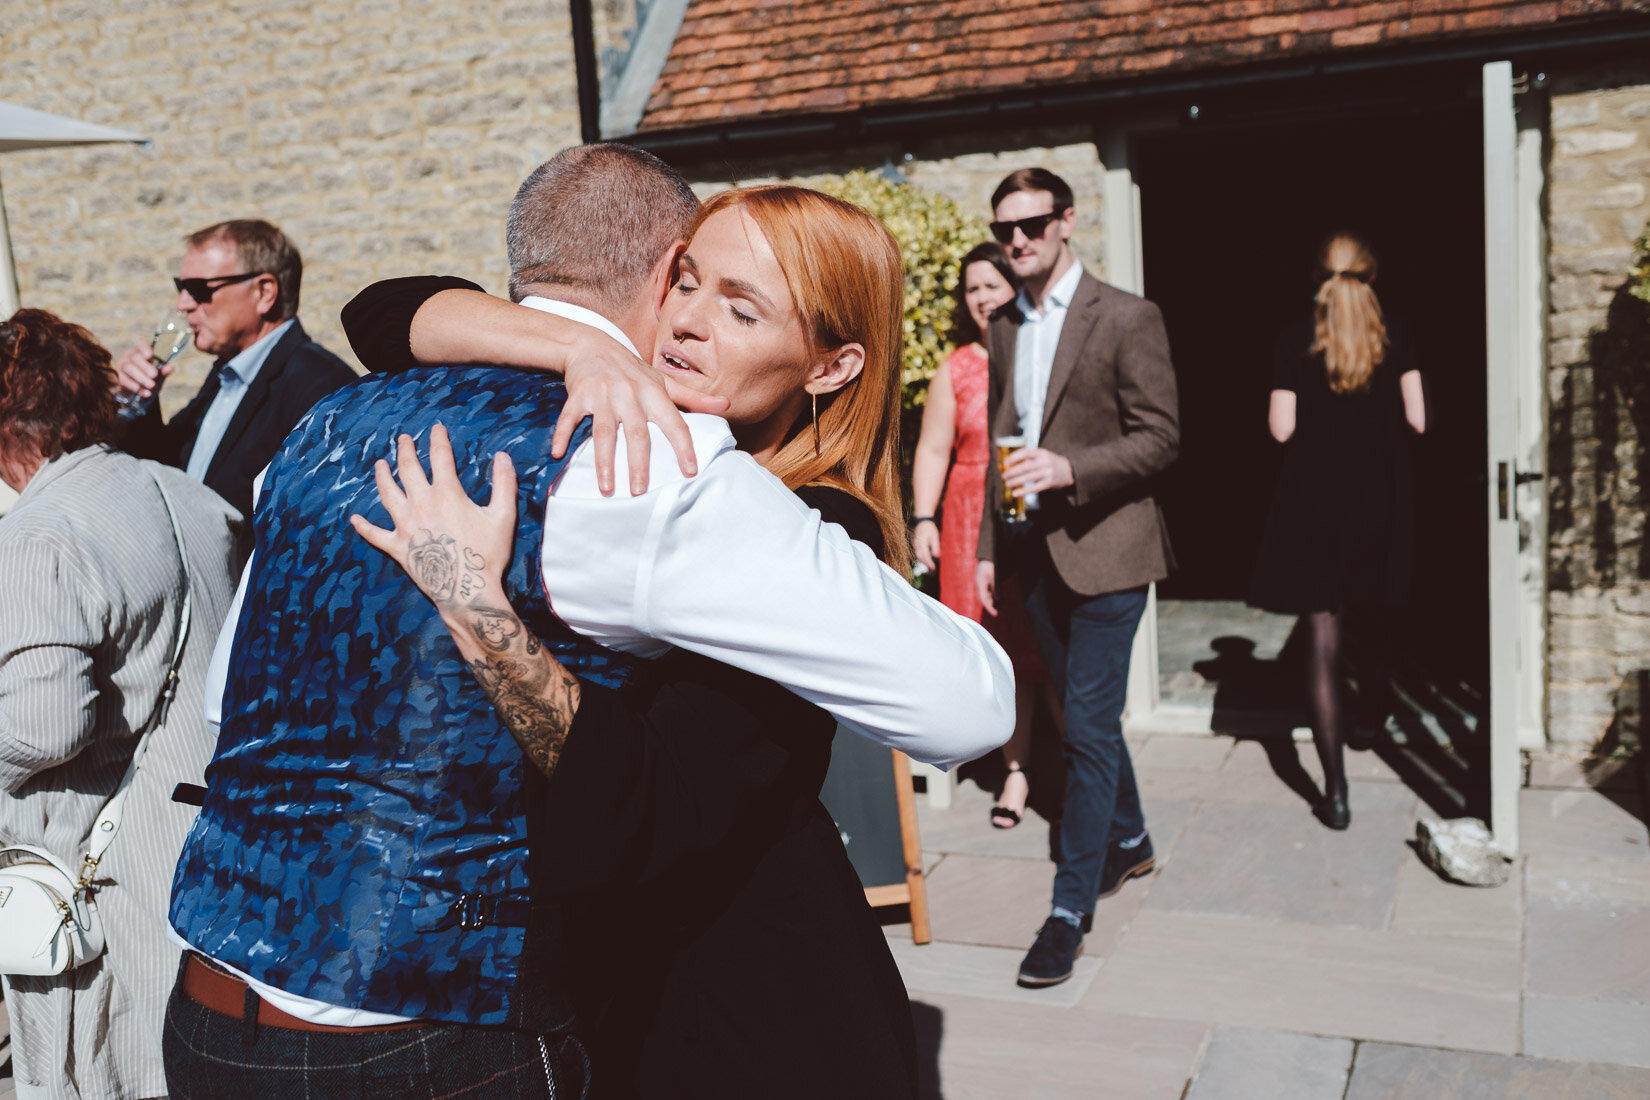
(201, 290)
(1033, 227)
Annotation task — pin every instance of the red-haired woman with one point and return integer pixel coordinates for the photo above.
(89, 617)
(733, 949)
(1346, 395)
(954, 422)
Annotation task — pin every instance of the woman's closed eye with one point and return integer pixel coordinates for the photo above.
(741, 317)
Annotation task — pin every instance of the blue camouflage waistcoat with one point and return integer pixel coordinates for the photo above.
(363, 794)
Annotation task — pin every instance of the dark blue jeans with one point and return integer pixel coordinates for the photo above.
(1086, 641)
(210, 1055)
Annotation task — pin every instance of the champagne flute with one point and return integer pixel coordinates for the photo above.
(171, 336)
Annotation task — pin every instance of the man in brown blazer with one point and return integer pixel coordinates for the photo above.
(1080, 371)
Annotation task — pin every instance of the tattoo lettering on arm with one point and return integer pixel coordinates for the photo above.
(475, 575)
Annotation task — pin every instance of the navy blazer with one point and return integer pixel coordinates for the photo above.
(297, 373)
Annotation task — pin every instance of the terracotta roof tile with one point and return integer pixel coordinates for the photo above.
(742, 59)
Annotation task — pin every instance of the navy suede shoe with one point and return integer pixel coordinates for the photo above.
(1053, 956)
(1122, 864)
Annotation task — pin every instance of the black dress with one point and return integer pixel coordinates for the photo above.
(1341, 526)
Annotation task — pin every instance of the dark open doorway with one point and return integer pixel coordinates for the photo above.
(1233, 212)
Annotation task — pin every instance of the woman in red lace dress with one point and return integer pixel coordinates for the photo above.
(954, 421)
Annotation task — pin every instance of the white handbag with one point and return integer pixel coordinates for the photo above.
(48, 916)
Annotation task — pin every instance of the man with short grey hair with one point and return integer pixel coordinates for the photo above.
(631, 220)
(238, 284)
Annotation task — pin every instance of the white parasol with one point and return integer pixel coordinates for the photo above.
(23, 128)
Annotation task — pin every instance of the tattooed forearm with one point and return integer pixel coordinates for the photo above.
(458, 562)
(536, 699)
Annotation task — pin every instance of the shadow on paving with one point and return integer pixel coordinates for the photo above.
(930, 1023)
(1427, 726)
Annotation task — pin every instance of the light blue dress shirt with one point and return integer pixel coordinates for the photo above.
(233, 382)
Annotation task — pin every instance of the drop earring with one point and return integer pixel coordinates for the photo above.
(816, 424)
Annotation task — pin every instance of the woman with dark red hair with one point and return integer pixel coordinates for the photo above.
(94, 581)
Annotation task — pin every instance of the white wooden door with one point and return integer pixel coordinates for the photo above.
(1502, 312)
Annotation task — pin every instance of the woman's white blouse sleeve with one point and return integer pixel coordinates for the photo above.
(731, 565)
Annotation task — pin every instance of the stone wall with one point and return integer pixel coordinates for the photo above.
(965, 168)
(1599, 441)
(386, 137)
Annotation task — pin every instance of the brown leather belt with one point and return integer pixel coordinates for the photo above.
(224, 993)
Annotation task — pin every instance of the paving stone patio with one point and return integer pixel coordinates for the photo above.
(1270, 957)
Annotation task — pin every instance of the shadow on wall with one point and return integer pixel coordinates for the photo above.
(1618, 767)
(1620, 358)
(1611, 549)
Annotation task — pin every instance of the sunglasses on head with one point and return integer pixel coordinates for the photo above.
(1033, 227)
(201, 290)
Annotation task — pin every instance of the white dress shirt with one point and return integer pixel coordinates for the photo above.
(1034, 346)
(732, 565)
(233, 382)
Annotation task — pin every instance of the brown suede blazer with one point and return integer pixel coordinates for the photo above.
(1112, 410)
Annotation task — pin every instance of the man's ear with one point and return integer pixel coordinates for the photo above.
(837, 370)
(664, 274)
(1068, 222)
(268, 291)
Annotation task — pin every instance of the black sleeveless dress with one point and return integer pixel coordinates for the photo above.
(1341, 529)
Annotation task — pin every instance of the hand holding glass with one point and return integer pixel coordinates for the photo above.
(172, 335)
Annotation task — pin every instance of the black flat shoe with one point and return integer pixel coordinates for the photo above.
(1053, 956)
(1335, 813)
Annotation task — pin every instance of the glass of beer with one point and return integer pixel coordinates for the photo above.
(1014, 505)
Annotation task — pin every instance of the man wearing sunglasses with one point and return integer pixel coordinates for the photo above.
(238, 285)
(1081, 372)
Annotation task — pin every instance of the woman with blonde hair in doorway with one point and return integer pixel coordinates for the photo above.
(1346, 398)
(954, 424)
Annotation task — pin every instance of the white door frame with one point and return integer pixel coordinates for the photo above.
(1531, 497)
(1126, 269)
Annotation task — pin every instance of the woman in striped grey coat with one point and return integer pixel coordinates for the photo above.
(90, 587)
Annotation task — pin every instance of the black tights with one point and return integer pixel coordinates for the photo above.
(1323, 688)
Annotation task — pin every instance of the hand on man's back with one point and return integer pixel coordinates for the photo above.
(620, 392)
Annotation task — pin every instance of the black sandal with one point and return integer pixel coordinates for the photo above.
(1001, 816)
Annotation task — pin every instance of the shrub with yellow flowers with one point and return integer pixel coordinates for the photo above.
(934, 234)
